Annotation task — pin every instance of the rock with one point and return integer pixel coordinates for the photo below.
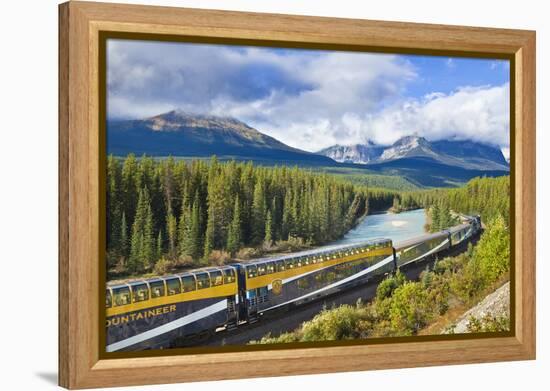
(496, 304)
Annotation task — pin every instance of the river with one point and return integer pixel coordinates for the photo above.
(397, 227)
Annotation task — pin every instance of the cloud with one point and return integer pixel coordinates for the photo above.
(306, 99)
(475, 113)
(145, 76)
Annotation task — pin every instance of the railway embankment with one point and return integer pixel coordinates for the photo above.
(493, 307)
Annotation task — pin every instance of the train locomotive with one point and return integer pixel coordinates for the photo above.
(152, 313)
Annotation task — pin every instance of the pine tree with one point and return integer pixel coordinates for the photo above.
(148, 251)
(436, 218)
(113, 204)
(129, 189)
(184, 232)
(123, 245)
(445, 217)
(234, 236)
(171, 229)
(396, 207)
(353, 212)
(158, 248)
(142, 251)
(209, 237)
(287, 222)
(268, 228)
(258, 213)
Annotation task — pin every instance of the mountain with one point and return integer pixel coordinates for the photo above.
(414, 159)
(408, 146)
(467, 154)
(426, 172)
(487, 156)
(181, 134)
(358, 153)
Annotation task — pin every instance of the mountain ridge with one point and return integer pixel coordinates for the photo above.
(177, 133)
(462, 153)
(192, 136)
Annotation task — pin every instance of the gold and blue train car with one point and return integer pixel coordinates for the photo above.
(279, 282)
(463, 232)
(149, 314)
(420, 248)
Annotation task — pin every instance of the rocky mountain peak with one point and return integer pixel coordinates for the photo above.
(178, 119)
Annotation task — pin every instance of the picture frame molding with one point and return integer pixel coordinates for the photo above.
(81, 365)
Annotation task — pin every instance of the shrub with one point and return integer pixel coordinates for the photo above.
(493, 251)
(410, 309)
(488, 323)
(162, 266)
(218, 257)
(248, 253)
(292, 244)
(336, 324)
(283, 338)
(389, 284)
(490, 259)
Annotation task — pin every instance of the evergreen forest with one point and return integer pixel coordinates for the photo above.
(167, 214)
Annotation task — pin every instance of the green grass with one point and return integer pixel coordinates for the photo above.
(363, 177)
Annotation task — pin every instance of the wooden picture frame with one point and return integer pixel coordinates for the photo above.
(81, 365)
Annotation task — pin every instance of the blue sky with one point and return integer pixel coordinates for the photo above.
(313, 99)
(445, 74)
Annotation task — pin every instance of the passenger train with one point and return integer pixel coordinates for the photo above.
(152, 313)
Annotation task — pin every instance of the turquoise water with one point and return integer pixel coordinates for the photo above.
(397, 227)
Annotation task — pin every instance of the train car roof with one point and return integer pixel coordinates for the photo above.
(419, 239)
(316, 251)
(457, 228)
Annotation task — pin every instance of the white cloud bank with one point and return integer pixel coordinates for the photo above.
(306, 99)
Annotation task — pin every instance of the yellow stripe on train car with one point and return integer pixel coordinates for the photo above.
(206, 293)
(265, 280)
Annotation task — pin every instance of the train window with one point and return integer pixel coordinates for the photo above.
(270, 267)
(298, 262)
(280, 266)
(251, 271)
(261, 269)
(188, 283)
(216, 278)
(203, 280)
(263, 291)
(173, 286)
(289, 263)
(306, 261)
(121, 296)
(157, 289)
(140, 292)
(228, 276)
(108, 299)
